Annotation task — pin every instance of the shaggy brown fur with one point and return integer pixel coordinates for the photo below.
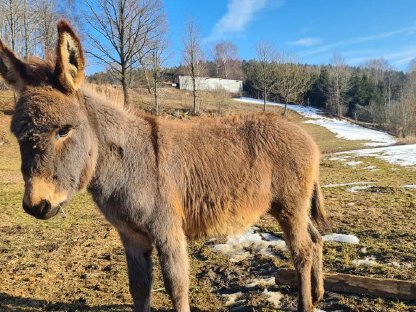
(162, 182)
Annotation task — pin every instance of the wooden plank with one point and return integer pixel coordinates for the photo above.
(346, 283)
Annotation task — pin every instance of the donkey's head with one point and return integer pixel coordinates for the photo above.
(57, 145)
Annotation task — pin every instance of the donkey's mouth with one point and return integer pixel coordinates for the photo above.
(42, 211)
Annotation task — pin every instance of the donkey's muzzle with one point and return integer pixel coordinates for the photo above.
(43, 210)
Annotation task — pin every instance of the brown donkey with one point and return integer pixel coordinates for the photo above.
(162, 182)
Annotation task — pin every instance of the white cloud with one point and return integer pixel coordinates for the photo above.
(239, 14)
(351, 41)
(307, 41)
(400, 57)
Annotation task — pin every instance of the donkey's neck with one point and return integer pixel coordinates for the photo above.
(125, 151)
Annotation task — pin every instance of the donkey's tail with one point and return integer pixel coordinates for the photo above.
(318, 212)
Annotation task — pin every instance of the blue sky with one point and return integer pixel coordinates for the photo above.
(313, 29)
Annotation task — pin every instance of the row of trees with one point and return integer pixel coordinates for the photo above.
(373, 93)
(129, 37)
(28, 27)
(125, 35)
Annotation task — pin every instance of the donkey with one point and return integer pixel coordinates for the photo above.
(161, 182)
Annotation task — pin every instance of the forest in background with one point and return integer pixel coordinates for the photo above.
(129, 38)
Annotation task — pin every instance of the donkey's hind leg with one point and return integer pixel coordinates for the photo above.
(316, 274)
(138, 249)
(294, 219)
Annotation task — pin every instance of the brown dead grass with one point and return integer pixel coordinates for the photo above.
(410, 139)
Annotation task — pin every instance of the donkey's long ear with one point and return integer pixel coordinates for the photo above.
(70, 60)
(12, 69)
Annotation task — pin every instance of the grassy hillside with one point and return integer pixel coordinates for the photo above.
(77, 263)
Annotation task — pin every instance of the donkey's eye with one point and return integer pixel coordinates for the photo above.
(63, 132)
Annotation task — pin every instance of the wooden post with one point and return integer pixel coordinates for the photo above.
(346, 283)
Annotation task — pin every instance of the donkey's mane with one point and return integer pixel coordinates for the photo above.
(113, 98)
(106, 95)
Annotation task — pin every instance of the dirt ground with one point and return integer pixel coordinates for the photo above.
(77, 263)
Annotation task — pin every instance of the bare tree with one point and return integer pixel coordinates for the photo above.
(193, 56)
(293, 79)
(268, 58)
(11, 16)
(401, 115)
(154, 62)
(23, 24)
(339, 76)
(379, 70)
(226, 60)
(122, 31)
(376, 68)
(46, 20)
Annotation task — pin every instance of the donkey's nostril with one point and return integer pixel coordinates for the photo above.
(40, 210)
(43, 207)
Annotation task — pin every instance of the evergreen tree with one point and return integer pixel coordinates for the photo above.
(318, 93)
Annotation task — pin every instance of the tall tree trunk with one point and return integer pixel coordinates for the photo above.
(194, 93)
(285, 110)
(264, 98)
(26, 30)
(125, 86)
(156, 95)
(146, 77)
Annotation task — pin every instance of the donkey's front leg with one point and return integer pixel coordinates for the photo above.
(172, 249)
(138, 249)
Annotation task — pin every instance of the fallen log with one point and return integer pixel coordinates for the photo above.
(346, 283)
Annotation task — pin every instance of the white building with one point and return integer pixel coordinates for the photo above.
(211, 84)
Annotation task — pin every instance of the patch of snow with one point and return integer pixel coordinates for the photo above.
(269, 281)
(268, 252)
(355, 189)
(371, 168)
(353, 163)
(406, 265)
(409, 186)
(363, 250)
(274, 297)
(241, 246)
(343, 129)
(232, 299)
(235, 254)
(394, 264)
(403, 155)
(338, 159)
(369, 261)
(342, 159)
(347, 184)
(341, 238)
(270, 237)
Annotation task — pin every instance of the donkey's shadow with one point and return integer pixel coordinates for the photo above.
(21, 304)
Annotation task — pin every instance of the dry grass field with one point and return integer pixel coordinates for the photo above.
(77, 263)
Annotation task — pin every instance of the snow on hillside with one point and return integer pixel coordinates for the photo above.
(342, 128)
(403, 155)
